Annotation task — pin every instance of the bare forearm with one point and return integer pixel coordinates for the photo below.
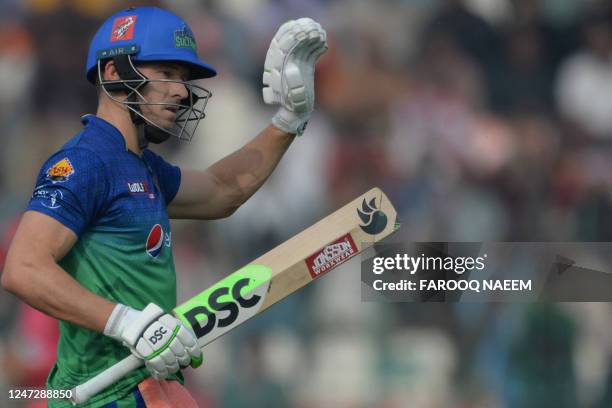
(219, 190)
(245, 170)
(51, 290)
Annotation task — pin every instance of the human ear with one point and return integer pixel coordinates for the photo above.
(110, 72)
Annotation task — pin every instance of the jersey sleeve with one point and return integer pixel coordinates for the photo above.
(72, 187)
(167, 175)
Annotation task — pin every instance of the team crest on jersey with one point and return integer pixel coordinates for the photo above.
(123, 28)
(60, 171)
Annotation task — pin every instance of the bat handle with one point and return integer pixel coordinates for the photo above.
(82, 393)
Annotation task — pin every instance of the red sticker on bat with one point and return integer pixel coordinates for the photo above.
(331, 255)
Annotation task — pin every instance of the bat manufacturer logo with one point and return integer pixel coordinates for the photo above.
(227, 304)
(123, 28)
(331, 255)
(374, 220)
(155, 241)
(217, 304)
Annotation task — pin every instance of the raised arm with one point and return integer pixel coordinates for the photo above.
(289, 82)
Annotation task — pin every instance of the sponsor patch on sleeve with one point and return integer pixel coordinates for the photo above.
(49, 198)
(60, 171)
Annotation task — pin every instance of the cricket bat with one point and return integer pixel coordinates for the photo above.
(250, 290)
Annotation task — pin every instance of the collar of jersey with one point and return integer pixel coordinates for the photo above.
(116, 138)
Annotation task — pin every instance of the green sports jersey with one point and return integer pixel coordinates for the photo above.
(115, 201)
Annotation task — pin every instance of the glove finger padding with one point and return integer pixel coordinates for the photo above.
(158, 338)
(157, 372)
(189, 342)
(181, 355)
(294, 50)
(181, 340)
(160, 349)
(289, 72)
(296, 93)
(317, 47)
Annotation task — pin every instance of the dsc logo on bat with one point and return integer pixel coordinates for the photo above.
(217, 304)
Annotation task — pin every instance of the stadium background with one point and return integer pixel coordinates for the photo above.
(482, 120)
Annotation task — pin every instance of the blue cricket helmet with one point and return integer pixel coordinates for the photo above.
(146, 34)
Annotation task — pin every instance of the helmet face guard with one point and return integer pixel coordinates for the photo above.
(189, 111)
(150, 34)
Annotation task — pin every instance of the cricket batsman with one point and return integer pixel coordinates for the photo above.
(94, 247)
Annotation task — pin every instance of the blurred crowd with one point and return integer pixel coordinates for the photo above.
(483, 120)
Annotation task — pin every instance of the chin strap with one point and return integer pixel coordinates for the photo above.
(146, 132)
(142, 138)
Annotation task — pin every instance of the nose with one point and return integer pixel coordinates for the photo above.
(179, 90)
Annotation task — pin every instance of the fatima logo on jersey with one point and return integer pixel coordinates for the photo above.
(157, 240)
(60, 171)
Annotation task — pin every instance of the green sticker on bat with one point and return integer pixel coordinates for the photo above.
(227, 303)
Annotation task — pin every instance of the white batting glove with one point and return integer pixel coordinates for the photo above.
(156, 337)
(289, 72)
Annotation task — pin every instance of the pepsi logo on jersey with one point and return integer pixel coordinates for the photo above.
(156, 241)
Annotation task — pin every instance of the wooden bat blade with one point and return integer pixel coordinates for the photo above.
(298, 261)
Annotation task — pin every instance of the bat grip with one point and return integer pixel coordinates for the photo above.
(82, 393)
